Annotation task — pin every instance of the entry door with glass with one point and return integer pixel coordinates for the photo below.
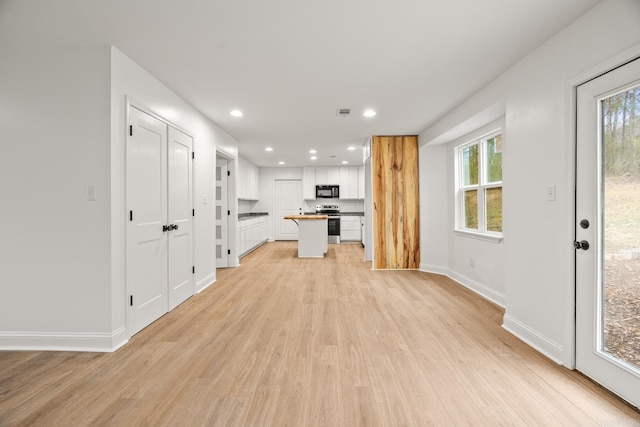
(608, 231)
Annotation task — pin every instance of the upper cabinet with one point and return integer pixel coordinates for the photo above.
(349, 178)
(327, 176)
(309, 183)
(248, 180)
(361, 183)
(348, 182)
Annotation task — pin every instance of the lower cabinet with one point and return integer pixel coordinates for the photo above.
(252, 232)
(350, 229)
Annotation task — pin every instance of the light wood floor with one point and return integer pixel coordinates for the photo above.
(288, 342)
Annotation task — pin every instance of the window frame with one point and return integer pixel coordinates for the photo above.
(481, 187)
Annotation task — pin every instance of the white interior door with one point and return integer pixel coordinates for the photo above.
(180, 214)
(288, 201)
(146, 201)
(608, 231)
(222, 226)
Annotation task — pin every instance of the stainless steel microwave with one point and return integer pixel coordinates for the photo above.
(327, 191)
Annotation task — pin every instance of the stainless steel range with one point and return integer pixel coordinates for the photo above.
(333, 211)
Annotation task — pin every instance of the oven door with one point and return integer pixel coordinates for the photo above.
(334, 229)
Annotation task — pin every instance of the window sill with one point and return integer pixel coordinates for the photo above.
(480, 236)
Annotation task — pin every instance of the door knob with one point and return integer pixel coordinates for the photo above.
(166, 228)
(583, 244)
(173, 227)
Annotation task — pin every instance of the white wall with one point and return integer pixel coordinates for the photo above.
(54, 250)
(142, 89)
(63, 120)
(535, 93)
(477, 264)
(268, 177)
(434, 208)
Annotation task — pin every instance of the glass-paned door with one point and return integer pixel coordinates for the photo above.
(608, 231)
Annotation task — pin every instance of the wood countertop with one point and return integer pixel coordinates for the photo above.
(299, 217)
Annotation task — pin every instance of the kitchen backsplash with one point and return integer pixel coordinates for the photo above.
(345, 205)
(245, 206)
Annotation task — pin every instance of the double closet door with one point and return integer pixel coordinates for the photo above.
(159, 232)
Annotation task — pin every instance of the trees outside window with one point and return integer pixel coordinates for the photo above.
(479, 185)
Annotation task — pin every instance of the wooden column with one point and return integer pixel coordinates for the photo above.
(396, 207)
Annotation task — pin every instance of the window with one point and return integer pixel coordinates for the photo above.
(479, 199)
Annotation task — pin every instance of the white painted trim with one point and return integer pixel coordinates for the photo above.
(571, 88)
(435, 269)
(477, 287)
(544, 345)
(487, 237)
(205, 282)
(69, 341)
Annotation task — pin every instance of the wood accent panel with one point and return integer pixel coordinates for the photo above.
(281, 341)
(396, 206)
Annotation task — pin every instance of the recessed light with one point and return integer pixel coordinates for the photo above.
(351, 148)
(369, 113)
(344, 162)
(236, 113)
(314, 157)
(312, 151)
(281, 163)
(268, 148)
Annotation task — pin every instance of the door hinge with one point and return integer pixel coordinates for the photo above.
(130, 130)
(193, 212)
(228, 212)
(131, 300)
(193, 154)
(130, 215)
(228, 251)
(193, 269)
(228, 173)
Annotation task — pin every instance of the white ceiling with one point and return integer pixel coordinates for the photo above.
(289, 64)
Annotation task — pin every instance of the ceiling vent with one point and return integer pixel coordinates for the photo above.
(343, 112)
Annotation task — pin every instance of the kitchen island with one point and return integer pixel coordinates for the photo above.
(312, 235)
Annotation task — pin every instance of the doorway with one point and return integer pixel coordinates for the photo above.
(222, 212)
(159, 210)
(607, 232)
(288, 201)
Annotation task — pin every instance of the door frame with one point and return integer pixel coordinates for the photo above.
(230, 206)
(275, 202)
(571, 103)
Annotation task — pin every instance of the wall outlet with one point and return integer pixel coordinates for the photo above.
(91, 193)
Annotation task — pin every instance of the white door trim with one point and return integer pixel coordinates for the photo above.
(571, 138)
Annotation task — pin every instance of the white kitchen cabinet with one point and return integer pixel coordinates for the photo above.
(327, 175)
(349, 178)
(252, 232)
(333, 176)
(350, 229)
(349, 182)
(361, 182)
(309, 183)
(248, 180)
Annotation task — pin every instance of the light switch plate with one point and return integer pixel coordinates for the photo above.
(91, 193)
(551, 193)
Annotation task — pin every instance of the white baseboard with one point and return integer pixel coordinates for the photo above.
(70, 341)
(203, 284)
(544, 345)
(477, 287)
